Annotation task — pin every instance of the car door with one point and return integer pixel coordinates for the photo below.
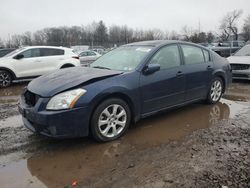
(84, 58)
(165, 87)
(198, 67)
(50, 59)
(30, 63)
(91, 56)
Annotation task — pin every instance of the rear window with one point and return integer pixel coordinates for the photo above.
(192, 54)
(51, 52)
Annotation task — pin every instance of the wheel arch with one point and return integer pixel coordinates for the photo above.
(10, 71)
(66, 65)
(221, 75)
(118, 95)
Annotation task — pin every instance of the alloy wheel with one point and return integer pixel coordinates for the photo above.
(112, 120)
(216, 90)
(5, 79)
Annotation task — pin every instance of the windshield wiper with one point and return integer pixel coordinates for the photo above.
(100, 67)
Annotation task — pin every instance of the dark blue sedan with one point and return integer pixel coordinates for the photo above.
(121, 87)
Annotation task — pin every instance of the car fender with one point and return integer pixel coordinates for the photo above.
(119, 92)
(221, 74)
(115, 86)
(8, 65)
(68, 61)
(9, 70)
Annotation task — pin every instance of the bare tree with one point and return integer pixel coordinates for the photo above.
(187, 32)
(229, 23)
(115, 35)
(174, 36)
(158, 34)
(246, 29)
(90, 33)
(16, 41)
(39, 38)
(1, 43)
(210, 37)
(26, 39)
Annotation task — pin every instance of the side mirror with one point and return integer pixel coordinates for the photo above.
(19, 56)
(151, 68)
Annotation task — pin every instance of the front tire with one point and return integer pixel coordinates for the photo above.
(5, 79)
(215, 91)
(110, 120)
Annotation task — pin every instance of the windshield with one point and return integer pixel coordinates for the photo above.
(245, 51)
(13, 52)
(125, 58)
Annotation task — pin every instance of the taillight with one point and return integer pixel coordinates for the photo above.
(75, 57)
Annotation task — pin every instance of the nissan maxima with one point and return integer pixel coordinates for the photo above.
(129, 83)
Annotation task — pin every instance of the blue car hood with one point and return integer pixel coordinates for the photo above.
(50, 84)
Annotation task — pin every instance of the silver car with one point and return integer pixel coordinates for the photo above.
(240, 63)
(87, 57)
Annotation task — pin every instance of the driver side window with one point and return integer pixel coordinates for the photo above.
(84, 54)
(167, 57)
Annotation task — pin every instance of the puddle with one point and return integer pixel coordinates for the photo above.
(11, 94)
(12, 121)
(82, 160)
(238, 92)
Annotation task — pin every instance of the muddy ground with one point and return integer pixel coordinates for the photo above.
(195, 146)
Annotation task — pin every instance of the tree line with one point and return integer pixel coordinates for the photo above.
(98, 34)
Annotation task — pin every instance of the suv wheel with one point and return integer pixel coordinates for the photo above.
(5, 79)
(110, 120)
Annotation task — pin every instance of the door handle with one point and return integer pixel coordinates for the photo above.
(179, 74)
(209, 67)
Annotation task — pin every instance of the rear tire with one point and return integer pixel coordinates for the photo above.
(215, 91)
(5, 79)
(110, 120)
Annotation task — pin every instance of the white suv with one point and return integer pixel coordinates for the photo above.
(33, 61)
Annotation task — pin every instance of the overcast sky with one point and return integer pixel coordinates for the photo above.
(18, 16)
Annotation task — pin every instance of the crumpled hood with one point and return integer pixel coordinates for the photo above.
(50, 84)
(239, 59)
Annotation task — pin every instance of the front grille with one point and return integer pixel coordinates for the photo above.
(30, 98)
(240, 75)
(240, 66)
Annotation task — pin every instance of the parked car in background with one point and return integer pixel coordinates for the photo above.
(240, 63)
(5, 51)
(124, 85)
(208, 45)
(226, 49)
(87, 57)
(33, 61)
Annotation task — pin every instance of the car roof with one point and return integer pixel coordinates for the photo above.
(156, 43)
(55, 47)
(87, 51)
(1, 49)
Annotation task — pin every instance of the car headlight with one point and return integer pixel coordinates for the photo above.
(65, 100)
